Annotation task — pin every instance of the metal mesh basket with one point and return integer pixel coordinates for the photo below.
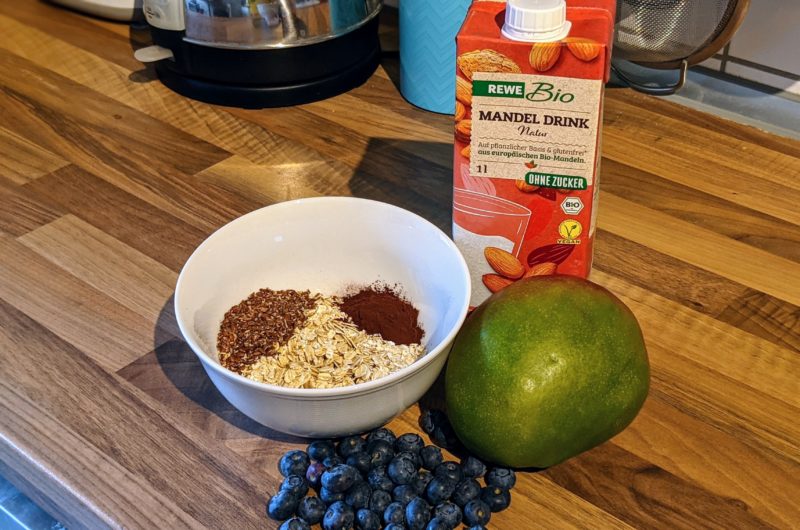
(673, 33)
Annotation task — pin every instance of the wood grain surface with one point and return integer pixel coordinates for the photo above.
(108, 181)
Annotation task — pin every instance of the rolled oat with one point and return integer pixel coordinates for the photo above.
(329, 351)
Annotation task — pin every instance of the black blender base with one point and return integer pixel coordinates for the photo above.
(258, 97)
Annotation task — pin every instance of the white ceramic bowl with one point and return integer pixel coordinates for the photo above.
(324, 245)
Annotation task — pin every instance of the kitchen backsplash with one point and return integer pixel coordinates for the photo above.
(765, 49)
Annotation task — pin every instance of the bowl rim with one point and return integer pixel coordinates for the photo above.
(359, 388)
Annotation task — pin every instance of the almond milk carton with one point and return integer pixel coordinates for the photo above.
(529, 92)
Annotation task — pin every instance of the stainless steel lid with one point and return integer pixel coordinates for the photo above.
(264, 24)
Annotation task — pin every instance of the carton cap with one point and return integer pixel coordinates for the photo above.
(536, 20)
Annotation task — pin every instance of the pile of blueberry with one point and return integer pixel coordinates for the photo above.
(386, 481)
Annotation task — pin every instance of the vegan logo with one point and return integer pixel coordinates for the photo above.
(569, 230)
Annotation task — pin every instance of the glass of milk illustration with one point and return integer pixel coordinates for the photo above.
(481, 221)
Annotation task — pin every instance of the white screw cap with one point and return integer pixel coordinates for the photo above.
(536, 20)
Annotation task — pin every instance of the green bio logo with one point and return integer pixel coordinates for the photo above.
(499, 89)
(549, 92)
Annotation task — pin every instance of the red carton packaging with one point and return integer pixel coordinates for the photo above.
(529, 91)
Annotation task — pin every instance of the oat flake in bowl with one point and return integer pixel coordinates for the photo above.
(297, 340)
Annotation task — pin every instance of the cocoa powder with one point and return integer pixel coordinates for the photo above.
(379, 309)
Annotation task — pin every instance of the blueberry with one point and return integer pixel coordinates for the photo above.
(294, 463)
(476, 513)
(333, 460)
(360, 461)
(394, 526)
(314, 474)
(282, 505)
(295, 485)
(472, 467)
(426, 422)
(465, 491)
(367, 520)
(413, 457)
(501, 477)
(477, 527)
(377, 471)
(431, 457)
(382, 434)
(444, 436)
(379, 500)
(438, 524)
(409, 443)
(401, 470)
(496, 498)
(421, 481)
(418, 512)
(329, 497)
(394, 513)
(339, 478)
(448, 513)
(294, 524)
(311, 510)
(319, 450)
(430, 419)
(338, 517)
(378, 479)
(350, 445)
(439, 490)
(380, 453)
(358, 495)
(450, 471)
(403, 494)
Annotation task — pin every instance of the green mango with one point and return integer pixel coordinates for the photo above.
(545, 369)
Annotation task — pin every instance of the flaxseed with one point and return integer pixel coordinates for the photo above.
(257, 326)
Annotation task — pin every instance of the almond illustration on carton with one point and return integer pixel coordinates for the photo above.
(555, 253)
(464, 130)
(544, 55)
(495, 282)
(584, 49)
(546, 268)
(524, 187)
(464, 91)
(547, 193)
(461, 111)
(485, 61)
(504, 263)
(466, 152)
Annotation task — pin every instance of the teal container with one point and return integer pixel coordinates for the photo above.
(428, 31)
(347, 13)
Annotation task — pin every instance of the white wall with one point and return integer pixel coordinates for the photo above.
(766, 49)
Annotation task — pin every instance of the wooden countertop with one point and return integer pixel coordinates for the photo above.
(108, 181)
